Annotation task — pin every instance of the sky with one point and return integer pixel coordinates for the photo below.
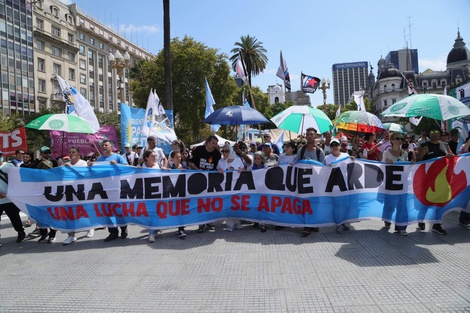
(313, 35)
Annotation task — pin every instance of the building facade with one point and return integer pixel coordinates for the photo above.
(348, 78)
(17, 93)
(404, 60)
(276, 94)
(44, 38)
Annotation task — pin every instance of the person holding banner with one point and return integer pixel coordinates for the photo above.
(6, 205)
(152, 145)
(150, 161)
(113, 158)
(129, 154)
(206, 158)
(75, 160)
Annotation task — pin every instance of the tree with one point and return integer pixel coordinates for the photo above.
(253, 54)
(192, 61)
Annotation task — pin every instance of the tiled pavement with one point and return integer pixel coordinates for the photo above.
(368, 269)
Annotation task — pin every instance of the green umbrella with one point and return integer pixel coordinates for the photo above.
(394, 127)
(298, 118)
(439, 107)
(62, 122)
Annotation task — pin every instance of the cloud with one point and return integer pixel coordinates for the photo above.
(123, 28)
(436, 64)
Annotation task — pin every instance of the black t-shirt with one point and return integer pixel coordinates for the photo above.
(205, 160)
(453, 146)
(435, 150)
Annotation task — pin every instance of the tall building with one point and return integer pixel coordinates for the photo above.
(348, 78)
(404, 60)
(17, 63)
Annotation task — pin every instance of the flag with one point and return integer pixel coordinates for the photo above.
(309, 83)
(411, 89)
(209, 106)
(463, 131)
(415, 120)
(283, 73)
(240, 68)
(77, 104)
(280, 142)
(156, 122)
(338, 112)
(245, 100)
(359, 99)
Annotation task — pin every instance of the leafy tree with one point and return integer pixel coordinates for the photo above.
(192, 62)
(253, 54)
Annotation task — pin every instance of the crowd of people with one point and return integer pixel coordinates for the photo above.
(242, 156)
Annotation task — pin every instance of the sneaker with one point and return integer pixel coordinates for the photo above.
(306, 232)
(151, 238)
(201, 228)
(421, 226)
(90, 233)
(437, 228)
(43, 238)
(51, 239)
(21, 236)
(181, 234)
(387, 224)
(210, 227)
(35, 233)
(111, 237)
(464, 224)
(238, 226)
(402, 232)
(346, 226)
(339, 229)
(263, 228)
(69, 240)
(124, 235)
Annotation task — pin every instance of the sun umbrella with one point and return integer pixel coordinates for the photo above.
(236, 115)
(439, 107)
(394, 127)
(62, 122)
(359, 121)
(298, 118)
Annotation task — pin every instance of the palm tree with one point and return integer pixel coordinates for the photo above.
(253, 54)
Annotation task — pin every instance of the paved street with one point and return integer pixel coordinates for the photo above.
(368, 269)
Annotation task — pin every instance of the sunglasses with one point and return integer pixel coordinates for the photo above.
(267, 136)
(398, 138)
(434, 132)
(225, 151)
(334, 144)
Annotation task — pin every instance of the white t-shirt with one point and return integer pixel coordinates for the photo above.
(330, 158)
(388, 156)
(154, 166)
(160, 155)
(79, 163)
(385, 146)
(286, 159)
(235, 165)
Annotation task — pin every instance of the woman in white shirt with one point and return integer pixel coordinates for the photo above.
(230, 162)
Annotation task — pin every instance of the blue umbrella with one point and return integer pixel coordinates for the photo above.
(236, 115)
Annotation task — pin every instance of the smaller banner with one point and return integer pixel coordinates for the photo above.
(10, 142)
(88, 144)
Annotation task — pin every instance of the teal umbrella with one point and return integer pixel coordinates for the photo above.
(439, 107)
(62, 122)
(298, 118)
(394, 127)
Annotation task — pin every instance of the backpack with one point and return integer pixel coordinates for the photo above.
(302, 152)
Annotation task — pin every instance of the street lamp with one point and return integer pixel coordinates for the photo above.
(120, 62)
(325, 84)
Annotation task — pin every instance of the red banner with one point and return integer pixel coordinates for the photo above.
(10, 142)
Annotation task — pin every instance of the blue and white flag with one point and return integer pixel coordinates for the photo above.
(156, 121)
(210, 105)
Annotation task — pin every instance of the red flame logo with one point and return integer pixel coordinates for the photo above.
(439, 185)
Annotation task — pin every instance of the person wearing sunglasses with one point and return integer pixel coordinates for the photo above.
(267, 139)
(434, 148)
(390, 156)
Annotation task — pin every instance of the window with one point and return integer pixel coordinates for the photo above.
(42, 85)
(83, 92)
(92, 41)
(71, 56)
(55, 11)
(41, 65)
(57, 69)
(40, 45)
(39, 23)
(56, 51)
(82, 50)
(55, 31)
(83, 79)
(71, 37)
(393, 87)
(81, 36)
(385, 104)
(101, 46)
(82, 64)
(71, 74)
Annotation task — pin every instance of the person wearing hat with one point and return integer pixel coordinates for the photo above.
(269, 157)
(152, 145)
(129, 155)
(289, 154)
(267, 139)
(253, 149)
(241, 151)
(10, 209)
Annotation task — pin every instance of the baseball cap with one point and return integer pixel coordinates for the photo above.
(252, 143)
(266, 144)
(334, 140)
(128, 145)
(44, 149)
(344, 138)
